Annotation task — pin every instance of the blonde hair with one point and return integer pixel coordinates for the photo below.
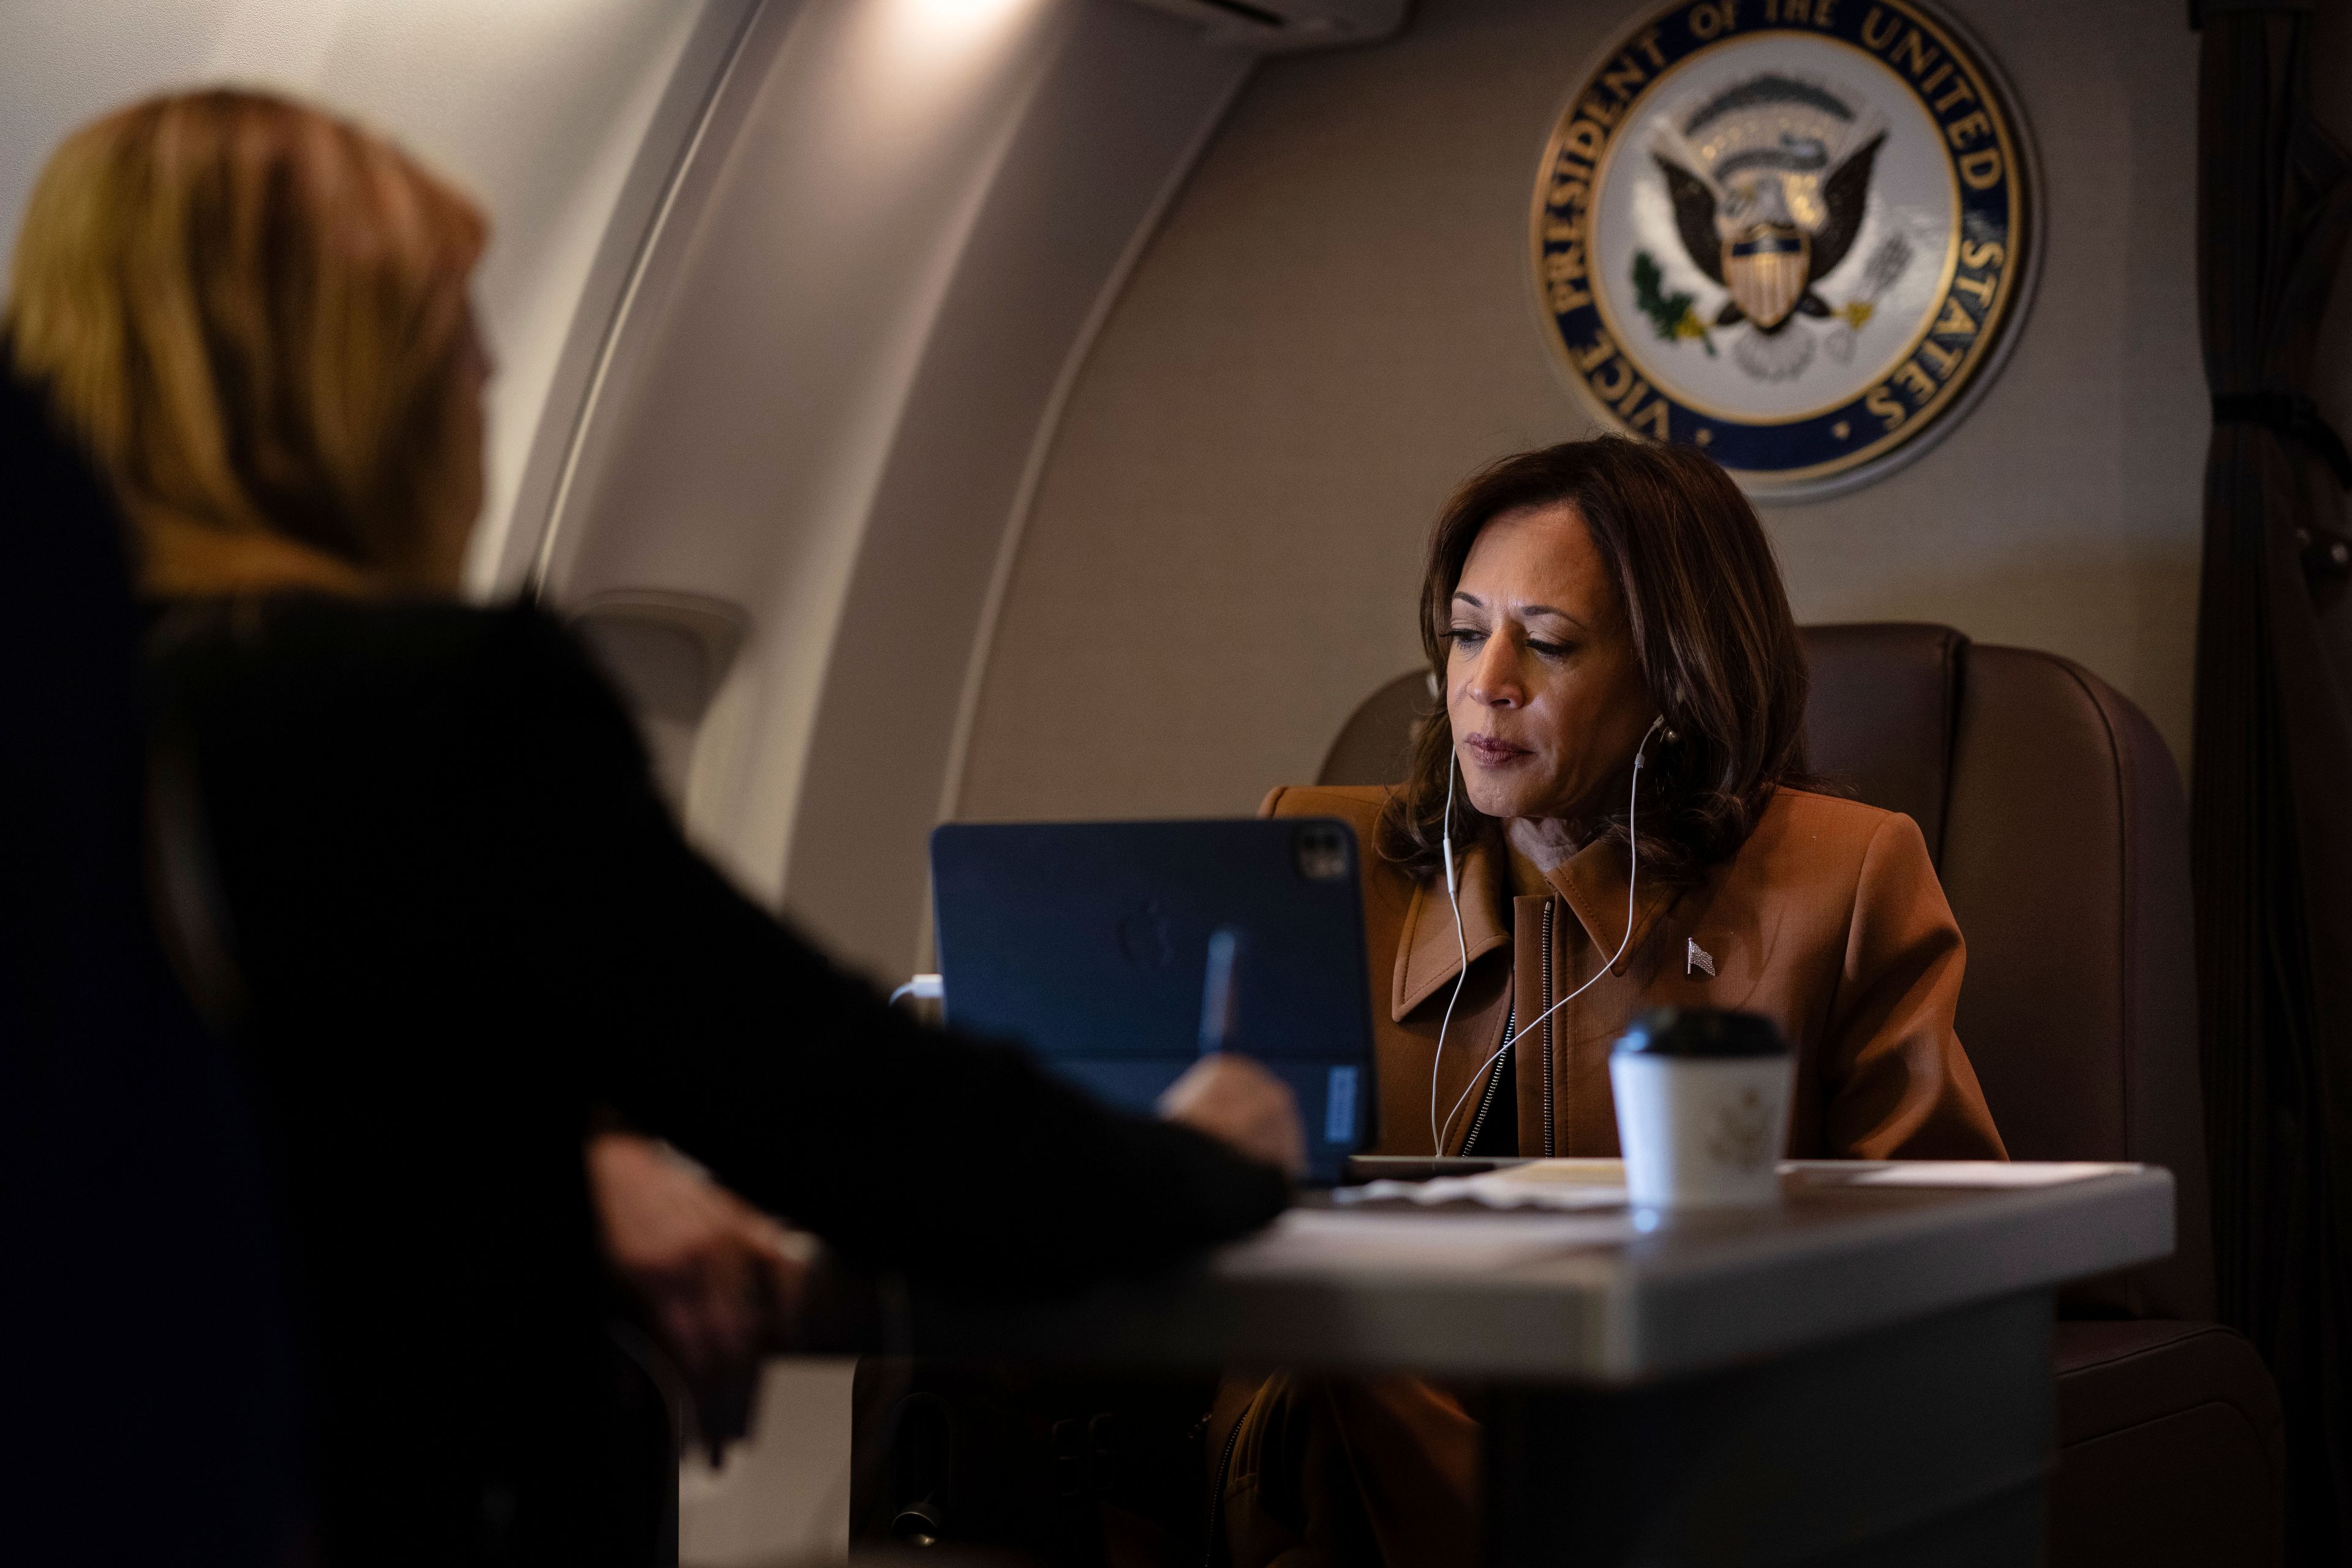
(253, 315)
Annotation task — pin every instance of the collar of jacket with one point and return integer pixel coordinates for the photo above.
(1591, 882)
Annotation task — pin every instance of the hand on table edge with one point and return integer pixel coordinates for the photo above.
(720, 1285)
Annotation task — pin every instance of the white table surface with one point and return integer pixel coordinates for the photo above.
(1607, 1297)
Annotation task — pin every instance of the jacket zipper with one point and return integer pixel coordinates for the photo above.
(1210, 1556)
(1494, 1082)
(1548, 1143)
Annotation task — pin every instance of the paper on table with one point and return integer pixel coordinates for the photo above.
(1441, 1243)
(1985, 1174)
(1539, 1183)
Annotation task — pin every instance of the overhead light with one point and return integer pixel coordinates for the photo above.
(1274, 26)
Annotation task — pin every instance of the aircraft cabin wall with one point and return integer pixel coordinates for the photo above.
(1336, 324)
(821, 403)
(540, 108)
(922, 434)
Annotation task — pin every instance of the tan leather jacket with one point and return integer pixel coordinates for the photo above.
(1829, 921)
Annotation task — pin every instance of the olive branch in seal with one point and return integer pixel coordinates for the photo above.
(1670, 313)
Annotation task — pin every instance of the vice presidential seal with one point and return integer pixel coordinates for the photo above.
(1798, 234)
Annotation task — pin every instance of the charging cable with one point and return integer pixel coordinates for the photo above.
(1633, 879)
(922, 988)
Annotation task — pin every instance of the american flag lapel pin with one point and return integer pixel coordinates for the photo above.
(1696, 959)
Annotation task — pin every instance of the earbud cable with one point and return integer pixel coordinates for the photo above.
(1633, 876)
(1436, 1142)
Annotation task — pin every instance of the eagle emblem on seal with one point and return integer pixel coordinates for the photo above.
(1769, 180)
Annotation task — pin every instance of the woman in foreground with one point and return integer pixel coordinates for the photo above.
(413, 859)
(1616, 652)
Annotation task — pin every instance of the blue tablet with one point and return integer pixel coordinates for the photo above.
(1119, 952)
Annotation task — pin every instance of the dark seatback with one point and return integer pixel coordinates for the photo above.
(151, 1409)
(2059, 827)
(1376, 742)
(1881, 715)
(2056, 819)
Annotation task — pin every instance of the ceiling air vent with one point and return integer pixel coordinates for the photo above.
(1268, 25)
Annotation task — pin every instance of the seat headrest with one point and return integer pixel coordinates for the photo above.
(1881, 715)
(1375, 743)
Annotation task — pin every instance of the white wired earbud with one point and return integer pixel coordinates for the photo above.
(1453, 767)
(1632, 880)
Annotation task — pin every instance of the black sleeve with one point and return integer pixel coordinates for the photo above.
(706, 1022)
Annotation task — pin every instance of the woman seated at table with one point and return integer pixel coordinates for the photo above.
(1616, 777)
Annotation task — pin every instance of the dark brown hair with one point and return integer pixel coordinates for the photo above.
(1711, 635)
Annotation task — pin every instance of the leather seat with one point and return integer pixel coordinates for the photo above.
(2056, 819)
(2169, 1447)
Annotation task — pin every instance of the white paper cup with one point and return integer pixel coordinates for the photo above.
(1702, 1108)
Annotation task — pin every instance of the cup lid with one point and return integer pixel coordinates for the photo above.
(1701, 1032)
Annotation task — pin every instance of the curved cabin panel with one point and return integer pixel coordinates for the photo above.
(822, 401)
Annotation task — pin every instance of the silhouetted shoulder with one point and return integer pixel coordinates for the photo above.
(370, 646)
(413, 678)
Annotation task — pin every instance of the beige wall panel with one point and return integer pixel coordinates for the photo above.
(540, 107)
(1336, 324)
